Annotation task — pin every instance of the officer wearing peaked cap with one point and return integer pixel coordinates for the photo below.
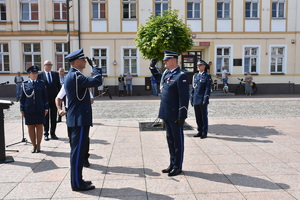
(200, 98)
(79, 114)
(34, 106)
(173, 107)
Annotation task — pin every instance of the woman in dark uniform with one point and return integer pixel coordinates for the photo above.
(34, 106)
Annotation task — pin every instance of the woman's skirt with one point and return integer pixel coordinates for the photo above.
(34, 118)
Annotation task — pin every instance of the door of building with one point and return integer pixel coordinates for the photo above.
(189, 63)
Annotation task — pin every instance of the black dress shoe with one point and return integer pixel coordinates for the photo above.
(204, 136)
(54, 137)
(84, 188)
(167, 170)
(86, 163)
(174, 172)
(88, 182)
(46, 138)
(33, 151)
(198, 135)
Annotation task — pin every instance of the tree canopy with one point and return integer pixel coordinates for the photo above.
(165, 32)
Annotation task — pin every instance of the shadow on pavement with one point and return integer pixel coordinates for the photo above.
(241, 133)
(239, 180)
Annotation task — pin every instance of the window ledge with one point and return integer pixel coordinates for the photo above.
(252, 18)
(129, 19)
(224, 18)
(194, 19)
(278, 18)
(255, 74)
(277, 73)
(97, 19)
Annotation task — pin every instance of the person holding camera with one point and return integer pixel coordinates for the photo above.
(79, 114)
(200, 98)
(173, 107)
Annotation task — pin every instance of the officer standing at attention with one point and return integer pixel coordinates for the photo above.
(79, 114)
(173, 107)
(200, 98)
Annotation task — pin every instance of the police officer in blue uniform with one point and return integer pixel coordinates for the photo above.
(200, 98)
(173, 107)
(79, 114)
(34, 106)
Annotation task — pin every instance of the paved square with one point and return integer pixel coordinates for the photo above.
(252, 152)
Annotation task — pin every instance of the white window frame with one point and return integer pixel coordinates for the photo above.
(63, 53)
(33, 54)
(161, 3)
(61, 3)
(229, 67)
(98, 4)
(284, 60)
(252, 2)
(29, 3)
(224, 3)
(2, 2)
(2, 54)
(278, 2)
(194, 11)
(130, 57)
(257, 56)
(100, 57)
(130, 4)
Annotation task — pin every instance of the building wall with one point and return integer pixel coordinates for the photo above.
(115, 33)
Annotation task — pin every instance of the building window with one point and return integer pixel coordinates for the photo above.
(100, 56)
(223, 58)
(278, 8)
(223, 9)
(2, 10)
(277, 59)
(129, 9)
(193, 9)
(60, 10)
(130, 60)
(32, 55)
(251, 9)
(251, 59)
(61, 51)
(4, 58)
(29, 10)
(99, 11)
(161, 6)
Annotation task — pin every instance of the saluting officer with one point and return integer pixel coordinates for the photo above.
(200, 98)
(79, 114)
(173, 107)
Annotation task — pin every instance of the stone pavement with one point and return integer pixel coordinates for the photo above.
(252, 152)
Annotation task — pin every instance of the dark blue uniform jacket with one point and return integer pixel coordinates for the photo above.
(37, 102)
(79, 101)
(201, 88)
(175, 94)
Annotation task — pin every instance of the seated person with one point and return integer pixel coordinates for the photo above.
(225, 89)
(215, 84)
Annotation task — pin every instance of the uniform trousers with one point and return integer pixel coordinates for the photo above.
(69, 129)
(201, 118)
(79, 140)
(52, 114)
(175, 143)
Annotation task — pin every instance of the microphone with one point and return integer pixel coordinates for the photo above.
(7, 82)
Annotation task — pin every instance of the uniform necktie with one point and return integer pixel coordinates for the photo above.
(49, 77)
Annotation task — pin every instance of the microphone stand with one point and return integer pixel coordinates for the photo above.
(23, 138)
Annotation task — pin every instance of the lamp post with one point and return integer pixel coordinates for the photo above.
(68, 24)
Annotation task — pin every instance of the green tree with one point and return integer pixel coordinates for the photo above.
(166, 32)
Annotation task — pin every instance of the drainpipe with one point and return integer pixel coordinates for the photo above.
(79, 39)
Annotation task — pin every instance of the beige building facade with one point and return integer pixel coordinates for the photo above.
(259, 36)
